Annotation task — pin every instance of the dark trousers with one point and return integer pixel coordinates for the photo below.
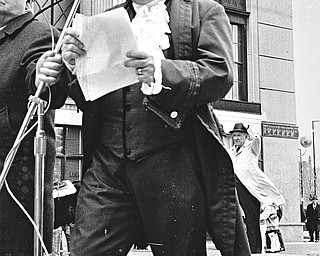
(122, 202)
(251, 208)
(312, 233)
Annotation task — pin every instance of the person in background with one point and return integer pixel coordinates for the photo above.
(313, 219)
(65, 198)
(270, 231)
(253, 185)
(302, 211)
(156, 171)
(280, 215)
(25, 61)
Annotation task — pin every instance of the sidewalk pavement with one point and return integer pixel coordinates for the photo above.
(292, 249)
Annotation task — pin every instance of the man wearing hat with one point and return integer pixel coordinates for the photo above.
(313, 219)
(253, 185)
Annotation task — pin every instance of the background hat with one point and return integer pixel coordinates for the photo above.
(239, 127)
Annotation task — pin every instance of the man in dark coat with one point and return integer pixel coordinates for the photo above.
(156, 171)
(313, 219)
(23, 40)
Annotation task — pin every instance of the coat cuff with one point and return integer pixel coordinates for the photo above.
(170, 106)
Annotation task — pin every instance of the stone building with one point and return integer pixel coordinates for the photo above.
(263, 96)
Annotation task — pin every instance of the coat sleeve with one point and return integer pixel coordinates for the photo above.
(205, 77)
(256, 146)
(41, 44)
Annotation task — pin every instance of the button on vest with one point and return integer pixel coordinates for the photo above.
(130, 130)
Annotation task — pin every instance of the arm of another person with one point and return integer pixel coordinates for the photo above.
(308, 211)
(42, 64)
(255, 141)
(256, 145)
(266, 211)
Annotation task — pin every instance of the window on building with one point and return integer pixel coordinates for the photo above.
(69, 153)
(239, 91)
(55, 11)
(238, 98)
(236, 10)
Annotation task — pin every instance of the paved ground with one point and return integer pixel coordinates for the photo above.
(292, 249)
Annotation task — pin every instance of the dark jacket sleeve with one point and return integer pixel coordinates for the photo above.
(41, 44)
(206, 75)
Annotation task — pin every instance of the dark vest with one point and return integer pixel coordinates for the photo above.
(131, 131)
(128, 129)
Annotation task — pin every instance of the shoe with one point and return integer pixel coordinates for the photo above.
(311, 241)
(317, 240)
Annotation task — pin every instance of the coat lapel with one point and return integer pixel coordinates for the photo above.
(181, 14)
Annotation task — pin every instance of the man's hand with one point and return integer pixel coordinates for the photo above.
(143, 64)
(252, 133)
(72, 47)
(49, 68)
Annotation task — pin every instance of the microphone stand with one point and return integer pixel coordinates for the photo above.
(40, 154)
(40, 146)
(32, 108)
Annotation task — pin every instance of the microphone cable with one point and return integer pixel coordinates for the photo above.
(28, 132)
(11, 193)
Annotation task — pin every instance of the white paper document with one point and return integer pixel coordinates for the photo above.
(107, 38)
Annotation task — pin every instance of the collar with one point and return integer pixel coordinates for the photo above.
(17, 23)
(129, 6)
(246, 144)
(136, 7)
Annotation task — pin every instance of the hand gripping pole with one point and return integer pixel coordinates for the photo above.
(33, 104)
(40, 152)
(40, 142)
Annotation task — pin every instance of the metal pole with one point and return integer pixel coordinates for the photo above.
(52, 13)
(33, 105)
(314, 156)
(301, 175)
(39, 153)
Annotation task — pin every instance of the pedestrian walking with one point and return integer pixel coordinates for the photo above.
(313, 219)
